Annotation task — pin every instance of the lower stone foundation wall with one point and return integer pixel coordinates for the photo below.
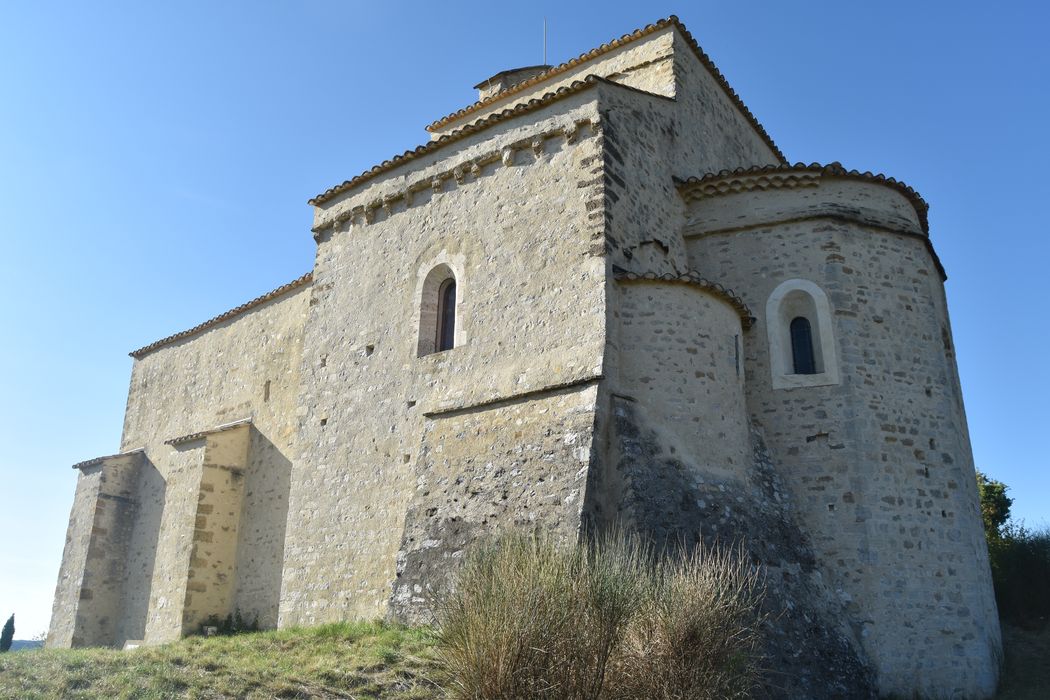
(520, 464)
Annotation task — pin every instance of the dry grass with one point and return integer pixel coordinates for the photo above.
(361, 660)
(352, 660)
(695, 635)
(613, 620)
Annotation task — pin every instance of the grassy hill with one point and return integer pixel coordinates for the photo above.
(350, 660)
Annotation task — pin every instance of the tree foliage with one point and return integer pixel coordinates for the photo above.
(1019, 557)
(8, 635)
(995, 505)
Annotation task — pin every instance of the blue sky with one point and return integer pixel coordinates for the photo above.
(156, 159)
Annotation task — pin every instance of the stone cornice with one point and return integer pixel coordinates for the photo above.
(692, 279)
(191, 437)
(770, 177)
(671, 21)
(502, 400)
(459, 134)
(459, 174)
(257, 301)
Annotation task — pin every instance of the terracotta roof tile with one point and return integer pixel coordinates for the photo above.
(671, 21)
(273, 294)
(204, 433)
(100, 460)
(694, 279)
(711, 182)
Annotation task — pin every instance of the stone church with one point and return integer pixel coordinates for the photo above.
(598, 295)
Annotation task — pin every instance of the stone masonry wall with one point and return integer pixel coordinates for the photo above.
(879, 464)
(678, 463)
(74, 558)
(645, 64)
(508, 211)
(213, 555)
(521, 463)
(166, 592)
(245, 367)
(711, 132)
(642, 210)
(678, 361)
(90, 591)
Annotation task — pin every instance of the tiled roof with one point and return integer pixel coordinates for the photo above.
(468, 130)
(204, 433)
(100, 460)
(693, 279)
(294, 284)
(606, 48)
(741, 179)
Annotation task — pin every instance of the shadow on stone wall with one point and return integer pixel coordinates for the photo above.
(646, 487)
(142, 554)
(264, 520)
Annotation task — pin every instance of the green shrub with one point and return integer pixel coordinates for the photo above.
(529, 619)
(233, 623)
(1020, 560)
(1019, 557)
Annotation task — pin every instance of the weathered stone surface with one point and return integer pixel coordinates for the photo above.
(308, 457)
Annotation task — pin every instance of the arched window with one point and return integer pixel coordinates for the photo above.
(446, 316)
(802, 346)
(439, 299)
(801, 336)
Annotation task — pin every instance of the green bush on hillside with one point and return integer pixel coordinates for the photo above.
(1020, 561)
(1019, 557)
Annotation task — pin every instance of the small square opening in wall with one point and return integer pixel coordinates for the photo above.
(411, 404)
(324, 422)
(407, 458)
(369, 349)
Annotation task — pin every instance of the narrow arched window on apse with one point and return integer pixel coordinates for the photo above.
(801, 330)
(446, 316)
(802, 355)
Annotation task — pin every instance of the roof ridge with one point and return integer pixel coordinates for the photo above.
(226, 315)
(669, 21)
(833, 169)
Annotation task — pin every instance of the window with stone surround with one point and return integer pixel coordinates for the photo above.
(437, 311)
(801, 338)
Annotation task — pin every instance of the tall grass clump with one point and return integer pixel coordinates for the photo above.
(609, 619)
(696, 635)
